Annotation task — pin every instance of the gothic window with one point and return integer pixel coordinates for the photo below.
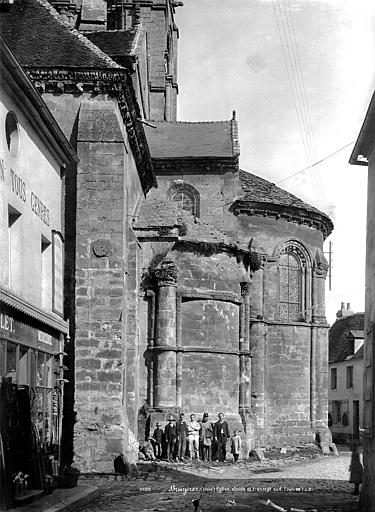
(293, 275)
(186, 198)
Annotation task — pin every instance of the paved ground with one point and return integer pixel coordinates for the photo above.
(319, 484)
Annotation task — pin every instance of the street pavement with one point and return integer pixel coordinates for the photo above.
(320, 484)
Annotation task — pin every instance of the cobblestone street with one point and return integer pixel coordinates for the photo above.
(319, 484)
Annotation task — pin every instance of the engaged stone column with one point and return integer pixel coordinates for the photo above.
(257, 347)
(245, 362)
(319, 351)
(165, 336)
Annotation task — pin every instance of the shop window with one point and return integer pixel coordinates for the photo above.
(40, 369)
(2, 356)
(15, 248)
(46, 272)
(333, 378)
(11, 361)
(23, 374)
(349, 377)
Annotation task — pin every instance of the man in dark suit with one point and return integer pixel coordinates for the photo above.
(221, 435)
(170, 433)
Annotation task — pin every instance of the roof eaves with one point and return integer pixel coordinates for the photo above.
(50, 127)
(365, 140)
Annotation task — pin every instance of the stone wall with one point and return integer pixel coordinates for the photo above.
(287, 396)
(102, 278)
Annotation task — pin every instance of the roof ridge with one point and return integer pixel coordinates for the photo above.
(139, 31)
(78, 35)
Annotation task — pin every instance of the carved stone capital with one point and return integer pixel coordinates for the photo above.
(166, 274)
(321, 270)
(245, 288)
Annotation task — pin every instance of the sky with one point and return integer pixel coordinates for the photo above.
(300, 75)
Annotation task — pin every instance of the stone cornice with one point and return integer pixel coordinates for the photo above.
(77, 80)
(115, 83)
(207, 165)
(309, 218)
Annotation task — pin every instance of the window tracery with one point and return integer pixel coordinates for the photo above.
(293, 263)
(185, 197)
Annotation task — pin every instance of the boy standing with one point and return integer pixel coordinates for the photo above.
(236, 445)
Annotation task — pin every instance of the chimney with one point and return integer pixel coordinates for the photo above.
(344, 311)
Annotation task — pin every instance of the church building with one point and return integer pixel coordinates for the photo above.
(192, 285)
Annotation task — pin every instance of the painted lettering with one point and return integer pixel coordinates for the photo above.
(44, 338)
(18, 185)
(39, 208)
(6, 323)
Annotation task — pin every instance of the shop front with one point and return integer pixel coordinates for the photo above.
(31, 391)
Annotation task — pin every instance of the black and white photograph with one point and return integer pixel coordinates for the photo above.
(187, 255)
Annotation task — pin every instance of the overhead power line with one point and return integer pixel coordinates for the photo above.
(316, 163)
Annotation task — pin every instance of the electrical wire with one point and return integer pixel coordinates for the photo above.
(316, 163)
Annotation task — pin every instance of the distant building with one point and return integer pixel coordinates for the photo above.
(345, 391)
(33, 156)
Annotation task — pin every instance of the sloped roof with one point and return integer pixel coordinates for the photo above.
(359, 354)
(118, 43)
(263, 197)
(39, 37)
(339, 343)
(191, 140)
(260, 190)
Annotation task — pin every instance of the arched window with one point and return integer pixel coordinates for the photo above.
(292, 270)
(290, 281)
(185, 197)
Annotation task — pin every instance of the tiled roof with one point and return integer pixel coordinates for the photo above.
(259, 190)
(359, 354)
(118, 43)
(191, 140)
(39, 37)
(339, 344)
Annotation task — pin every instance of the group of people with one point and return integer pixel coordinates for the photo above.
(200, 439)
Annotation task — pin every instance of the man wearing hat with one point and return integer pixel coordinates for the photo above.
(182, 432)
(158, 440)
(205, 438)
(170, 433)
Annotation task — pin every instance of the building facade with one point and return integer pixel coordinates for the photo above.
(345, 391)
(33, 157)
(363, 154)
(202, 294)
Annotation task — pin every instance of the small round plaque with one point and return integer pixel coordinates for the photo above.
(101, 248)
